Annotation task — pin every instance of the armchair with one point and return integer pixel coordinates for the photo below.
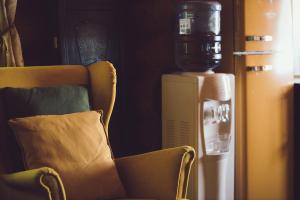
(160, 175)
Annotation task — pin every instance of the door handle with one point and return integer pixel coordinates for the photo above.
(55, 42)
(261, 68)
(260, 38)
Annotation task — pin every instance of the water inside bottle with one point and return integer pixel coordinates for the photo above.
(198, 40)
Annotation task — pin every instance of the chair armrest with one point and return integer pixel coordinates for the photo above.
(160, 174)
(38, 184)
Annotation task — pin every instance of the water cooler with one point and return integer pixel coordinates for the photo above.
(198, 104)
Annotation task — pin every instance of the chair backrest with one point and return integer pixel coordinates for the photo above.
(100, 77)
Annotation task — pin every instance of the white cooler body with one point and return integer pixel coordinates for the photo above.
(198, 110)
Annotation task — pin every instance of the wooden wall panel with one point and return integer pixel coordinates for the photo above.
(90, 4)
(296, 139)
(148, 52)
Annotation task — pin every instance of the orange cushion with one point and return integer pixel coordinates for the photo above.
(75, 145)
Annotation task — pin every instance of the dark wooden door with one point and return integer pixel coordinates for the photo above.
(37, 25)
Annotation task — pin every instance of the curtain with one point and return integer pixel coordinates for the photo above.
(10, 45)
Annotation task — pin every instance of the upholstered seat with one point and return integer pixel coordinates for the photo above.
(161, 175)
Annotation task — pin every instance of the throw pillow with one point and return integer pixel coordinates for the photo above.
(25, 102)
(75, 145)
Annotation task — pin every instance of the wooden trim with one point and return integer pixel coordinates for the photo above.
(241, 143)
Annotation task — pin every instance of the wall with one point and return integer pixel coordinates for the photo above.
(147, 28)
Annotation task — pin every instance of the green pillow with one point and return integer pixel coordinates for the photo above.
(22, 102)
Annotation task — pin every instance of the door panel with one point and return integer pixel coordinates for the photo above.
(261, 18)
(267, 102)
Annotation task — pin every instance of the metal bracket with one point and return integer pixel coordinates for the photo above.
(261, 68)
(260, 38)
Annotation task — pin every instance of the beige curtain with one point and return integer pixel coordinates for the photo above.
(10, 45)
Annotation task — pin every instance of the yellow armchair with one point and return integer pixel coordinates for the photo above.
(160, 175)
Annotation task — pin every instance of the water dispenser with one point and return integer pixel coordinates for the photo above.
(198, 104)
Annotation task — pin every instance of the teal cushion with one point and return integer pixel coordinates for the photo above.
(22, 102)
